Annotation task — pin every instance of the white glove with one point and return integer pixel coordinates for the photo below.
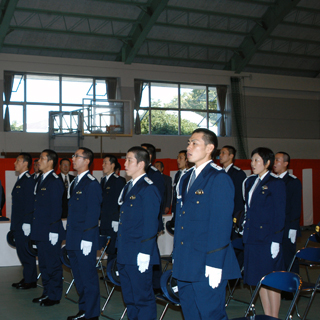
(214, 275)
(115, 225)
(275, 248)
(143, 261)
(86, 246)
(53, 238)
(26, 227)
(292, 235)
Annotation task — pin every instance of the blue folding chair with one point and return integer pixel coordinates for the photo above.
(309, 257)
(280, 280)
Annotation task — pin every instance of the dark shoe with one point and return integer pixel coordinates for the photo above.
(17, 283)
(49, 303)
(79, 315)
(38, 300)
(26, 286)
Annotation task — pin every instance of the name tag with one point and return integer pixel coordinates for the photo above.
(199, 191)
(79, 192)
(133, 197)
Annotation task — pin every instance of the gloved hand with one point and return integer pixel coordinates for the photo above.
(292, 235)
(214, 275)
(275, 248)
(85, 246)
(53, 238)
(143, 261)
(115, 225)
(26, 227)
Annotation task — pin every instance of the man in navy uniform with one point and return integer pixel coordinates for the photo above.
(37, 172)
(293, 209)
(66, 179)
(47, 229)
(21, 218)
(111, 185)
(202, 232)
(137, 247)
(83, 234)
(167, 198)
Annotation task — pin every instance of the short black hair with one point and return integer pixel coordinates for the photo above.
(208, 137)
(161, 164)
(88, 154)
(26, 158)
(286, 157)
(184, 152)
(65, 159)
(266, 154)
(52, 155)
(112, 158)
(151, 149)
(141, 154)
(232, 150)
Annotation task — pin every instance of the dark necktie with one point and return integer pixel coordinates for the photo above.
(177, 177)
(129, 187)
(39, 182)
(74, 184)
(66, 182)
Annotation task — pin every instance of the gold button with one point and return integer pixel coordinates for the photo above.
(34, 218)
(121, 211)
(183, 212)
(182, 228)
(119, 235)
(197, 202)
(181, 242)
(131, 205)
(260, 227)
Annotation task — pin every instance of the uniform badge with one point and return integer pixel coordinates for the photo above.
(148, 180)
(79, 192)
(43, 189)
(133, 197)
(317, 228)
(107, 187)
(199, 191)
(18, 187)
(264, 187)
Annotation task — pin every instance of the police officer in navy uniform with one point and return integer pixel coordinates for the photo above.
(47, 229)
(111, 185)
(82, 241)
(167, 198)
(293, 209)
(136, 242)
(37, 173)
(203, 256)
(21, 218)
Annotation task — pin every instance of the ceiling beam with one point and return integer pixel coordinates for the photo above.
(260, 32)
(140, 30)
(8, 7)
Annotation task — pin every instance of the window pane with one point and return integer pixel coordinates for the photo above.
(145, 96)
(16, 117)
(42, 88)
(164, 122)
(17, 93)
(193, 97)
(101, 89)
(192, 120)
(68, 121)
(214, 122)
(213, 103)
(164, 95)
(76, 89)
(144, 120)
(38, 117)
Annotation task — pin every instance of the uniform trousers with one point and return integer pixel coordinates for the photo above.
(137, 292)
(86, 281)
(51, 268)
(27, 260)
(200, 302)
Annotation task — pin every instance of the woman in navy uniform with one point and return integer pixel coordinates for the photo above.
(137, 237)
(265, 198)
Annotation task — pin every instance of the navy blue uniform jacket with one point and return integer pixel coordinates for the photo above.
(83, 213)
(110, 194)
(138, 222)
(48, 209)
(293, 204)
(22, 202)
(266, 215)
(203, 226)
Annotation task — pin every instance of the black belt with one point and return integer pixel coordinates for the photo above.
(54, 222)
(90, 228)
(216, 250)
(279, 231)
(148, 239)
(294, 220)
(29, 213)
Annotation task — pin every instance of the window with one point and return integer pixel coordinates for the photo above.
(33, 96)
(178, 109)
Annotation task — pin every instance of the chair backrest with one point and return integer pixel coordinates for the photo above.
(310, 254)
(282, 280)
(169, 287)
(64, 257)
(113, 273)
(314, 237)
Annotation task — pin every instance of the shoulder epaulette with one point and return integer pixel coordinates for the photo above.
(148, 180)
(115, 175)
(28, 175)
(274, 175)
(154, 168)
(293, 176)
(237, 168)
(215, 166)
(90, 176)
(55, 175)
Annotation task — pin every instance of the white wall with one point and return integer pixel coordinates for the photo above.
(282, 112)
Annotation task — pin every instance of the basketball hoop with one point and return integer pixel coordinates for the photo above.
(111, 130)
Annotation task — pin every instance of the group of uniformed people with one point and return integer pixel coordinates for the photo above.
(206, 198)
